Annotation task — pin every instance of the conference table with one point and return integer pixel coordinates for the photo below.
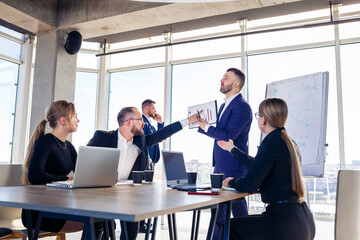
(125, 202)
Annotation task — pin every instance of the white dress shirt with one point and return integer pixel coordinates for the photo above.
(227, 102)
(129, 152)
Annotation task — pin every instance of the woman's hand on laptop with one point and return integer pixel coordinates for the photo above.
(69, 177)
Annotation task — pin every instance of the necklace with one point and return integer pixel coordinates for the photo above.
(59, 143)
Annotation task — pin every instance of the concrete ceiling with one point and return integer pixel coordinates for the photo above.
(120, 20)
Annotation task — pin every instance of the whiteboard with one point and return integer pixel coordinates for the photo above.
(307, 100)
(209, 112)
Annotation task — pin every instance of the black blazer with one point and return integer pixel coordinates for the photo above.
(270, 171)
(110, 139)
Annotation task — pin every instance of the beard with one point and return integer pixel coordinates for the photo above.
(225, 89)
(137, 132)
(151, 114)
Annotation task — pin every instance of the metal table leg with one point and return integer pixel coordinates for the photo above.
(154, 229)
(148, 224)
(170, 225)
(195, 225)
(214, 212)
(227, 221)
(124, 232)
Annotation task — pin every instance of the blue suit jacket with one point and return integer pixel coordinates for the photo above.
(110, 139)
(234, 124)
(154, 151)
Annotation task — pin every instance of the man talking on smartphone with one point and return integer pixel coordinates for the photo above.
(149, 113)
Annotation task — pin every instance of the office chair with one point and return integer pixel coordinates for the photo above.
(347, 215)
(10, 175)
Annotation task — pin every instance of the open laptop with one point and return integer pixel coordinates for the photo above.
(95, 167)
(175, 172)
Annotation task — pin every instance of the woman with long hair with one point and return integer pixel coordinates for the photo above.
(276, 173)
(50, 157)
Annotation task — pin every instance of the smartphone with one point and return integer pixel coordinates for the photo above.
(204, 193)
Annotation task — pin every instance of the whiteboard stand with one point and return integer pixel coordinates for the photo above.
(307, 100)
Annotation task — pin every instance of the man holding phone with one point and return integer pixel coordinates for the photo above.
(148, 113)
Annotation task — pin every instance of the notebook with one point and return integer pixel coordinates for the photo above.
(95, 167)
(175, 172)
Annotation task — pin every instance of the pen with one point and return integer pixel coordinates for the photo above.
(198, 113)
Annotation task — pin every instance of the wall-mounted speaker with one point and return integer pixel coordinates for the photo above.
(73, 42)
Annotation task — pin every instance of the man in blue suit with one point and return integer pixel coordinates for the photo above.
(148, 112)
(133, 145)
(233, 122)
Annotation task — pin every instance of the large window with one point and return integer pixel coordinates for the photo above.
(351, 99)
(8, 83)
(207, 48)
(154, 55)
(193, 84)
(131, 88)
(85, 104)
(10, 49)
(87, 60)
(86, 88)
(279, 66)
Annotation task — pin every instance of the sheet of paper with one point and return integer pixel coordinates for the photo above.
(209, 112)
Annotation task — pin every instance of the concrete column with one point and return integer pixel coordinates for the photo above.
(54, 74)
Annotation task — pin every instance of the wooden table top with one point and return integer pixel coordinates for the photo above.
(125, 202)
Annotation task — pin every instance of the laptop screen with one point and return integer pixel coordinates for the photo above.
(174, 166)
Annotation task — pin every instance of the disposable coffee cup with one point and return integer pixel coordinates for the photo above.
(216, 181)
(148, 175)
(137, 177)
(191, 176)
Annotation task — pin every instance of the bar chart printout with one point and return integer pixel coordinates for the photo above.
(208, 111)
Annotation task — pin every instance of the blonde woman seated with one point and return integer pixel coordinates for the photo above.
(50, 157)
(276, 173)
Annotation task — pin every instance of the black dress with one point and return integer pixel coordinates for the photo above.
(52, 160)
(270, 174)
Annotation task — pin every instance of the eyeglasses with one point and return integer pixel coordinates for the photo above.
(257, 115)
(139, 119)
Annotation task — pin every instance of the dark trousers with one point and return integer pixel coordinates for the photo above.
(250, 227)
(238, 209)
(279, 222)
(132, 229)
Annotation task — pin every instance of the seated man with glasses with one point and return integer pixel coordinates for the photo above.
(133, 145)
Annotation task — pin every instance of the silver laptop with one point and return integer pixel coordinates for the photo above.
(95, 167)
(175, 172)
